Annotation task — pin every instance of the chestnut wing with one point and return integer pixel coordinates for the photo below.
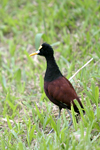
(62, 90)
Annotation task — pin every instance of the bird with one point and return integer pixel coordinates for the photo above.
(57, 88)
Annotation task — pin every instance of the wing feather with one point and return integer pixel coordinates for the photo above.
(62, 90)
(61, 93)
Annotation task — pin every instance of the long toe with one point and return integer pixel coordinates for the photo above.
(70, 123)
(50, 131)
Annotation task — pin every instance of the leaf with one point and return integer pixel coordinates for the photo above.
(53, 124)
(3, 144)
(98, 113)
(12, 47)
(3, 82)
(98, 52)
(41, 83)
(89, 109)
(33, 113)
(27, 105)
(38, 39)
(20, 146)
(88, 131)
(11, 105)
(58, 125)
(88, 93)
(73, 117)
(96, 95)
(15, 135)
(39, 114)
(18, 75)
(45, 122)
(80, 110)
(9, 124)
(82, 130)
(54, 44)
(32, 133)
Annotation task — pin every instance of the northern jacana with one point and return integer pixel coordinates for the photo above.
(57, 88)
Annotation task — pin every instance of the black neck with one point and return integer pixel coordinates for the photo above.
(52, 71)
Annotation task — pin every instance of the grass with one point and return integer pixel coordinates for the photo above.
(73, 28)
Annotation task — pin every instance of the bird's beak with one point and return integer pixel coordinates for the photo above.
(34, 53)
(37, 52)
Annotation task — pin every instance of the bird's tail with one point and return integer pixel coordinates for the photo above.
(75, 107)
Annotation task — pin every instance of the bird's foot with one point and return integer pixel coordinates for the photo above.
(70, 123)
(50, 131)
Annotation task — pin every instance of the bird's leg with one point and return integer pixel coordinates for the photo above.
(57, 118)
(70, 117)
(59, 113)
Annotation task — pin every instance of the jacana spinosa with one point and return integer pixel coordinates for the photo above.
(57, 88)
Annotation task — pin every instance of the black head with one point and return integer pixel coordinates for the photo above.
(45, 50)
(52, 71)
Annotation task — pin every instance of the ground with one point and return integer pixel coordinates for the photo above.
(26, 115)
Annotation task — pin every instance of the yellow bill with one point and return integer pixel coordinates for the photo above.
(36, 52)
(33, 54)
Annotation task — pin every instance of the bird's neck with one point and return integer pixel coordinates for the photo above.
(52, 71)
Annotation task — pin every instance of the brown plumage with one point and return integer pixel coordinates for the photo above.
(61, 93)
(57, 88)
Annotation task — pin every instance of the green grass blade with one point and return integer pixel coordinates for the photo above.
(73, 117)
(37, 40)
(9, 124)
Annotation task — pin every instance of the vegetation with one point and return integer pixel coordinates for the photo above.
(73, 28)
